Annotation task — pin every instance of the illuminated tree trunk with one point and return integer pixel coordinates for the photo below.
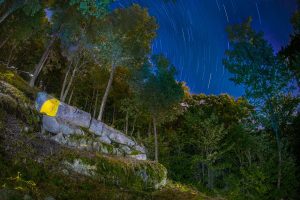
(96, 101)
(71, 95)
(104, 99)
(41, 63)
(133, 126)
(65, 82)
(69, 84)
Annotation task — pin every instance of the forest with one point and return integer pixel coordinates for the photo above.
(98, 59)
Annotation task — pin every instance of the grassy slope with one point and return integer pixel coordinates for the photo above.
(29, 163)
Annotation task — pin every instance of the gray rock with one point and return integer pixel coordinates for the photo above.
(70, 120)
(138, 156)
(104, 139)
(60, 138)
(82, 168)
(50, 124)
(55, 126)
(73, 115)
(126, 149)
(120, 138)
(139, 148)
(96, 127)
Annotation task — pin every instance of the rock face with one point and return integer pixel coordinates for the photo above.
(64, 169)
(126, 173)
(64, 120)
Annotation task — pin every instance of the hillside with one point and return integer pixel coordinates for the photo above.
(34, 166)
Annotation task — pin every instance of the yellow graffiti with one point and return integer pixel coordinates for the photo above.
(50, 107)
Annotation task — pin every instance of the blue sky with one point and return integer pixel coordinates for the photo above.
(192, 35)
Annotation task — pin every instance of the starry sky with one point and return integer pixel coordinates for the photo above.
(192, 35)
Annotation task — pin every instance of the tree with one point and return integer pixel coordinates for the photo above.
(125, 42)
(160, 93)
(29, 7)
(292, 51)
(264, 75)
(69, 22)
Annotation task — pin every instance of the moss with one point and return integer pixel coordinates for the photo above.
(177, 191)
(126, 173)
(135, 152)
(15, 80)
(77, 137)
(110, 148)
(13, 101)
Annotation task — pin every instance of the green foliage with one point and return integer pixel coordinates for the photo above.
(268, 84)
(160, 93)
(252, 62)
(97, 8)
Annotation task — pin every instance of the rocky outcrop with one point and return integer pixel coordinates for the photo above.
(64, 120)
(123, 172)
(70, 157)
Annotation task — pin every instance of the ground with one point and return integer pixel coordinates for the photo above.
(31, 165)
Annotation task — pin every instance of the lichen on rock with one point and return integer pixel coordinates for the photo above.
(126, 173)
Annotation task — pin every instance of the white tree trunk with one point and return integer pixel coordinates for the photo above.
(96, 102)
(41, 63)
(71, 95)
(69, 84)
(133, 126)
(65, 81)
(102, 107)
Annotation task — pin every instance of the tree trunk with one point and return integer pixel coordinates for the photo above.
(102, 107)
(212, 179)
(69, 84)
(10, 55)
(279, 159)
(41, 63)
(85, 104)
(149, 130)
(71, 95)
(208, 177)
(126, 123)
(133, 126)
(155, 140)
(95, 107)
(113, 117)
(138, 135)
(91, 104)
(65, 81)
(10, 11)
(203, 173)
(276, 128)
(4, 42)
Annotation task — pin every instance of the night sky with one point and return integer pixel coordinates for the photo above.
(192, 35)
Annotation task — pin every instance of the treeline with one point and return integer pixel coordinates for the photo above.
(99, 60)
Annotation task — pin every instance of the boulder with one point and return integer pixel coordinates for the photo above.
(64, 120)
(125, 173)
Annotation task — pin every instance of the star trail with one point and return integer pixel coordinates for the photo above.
(192, 35)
